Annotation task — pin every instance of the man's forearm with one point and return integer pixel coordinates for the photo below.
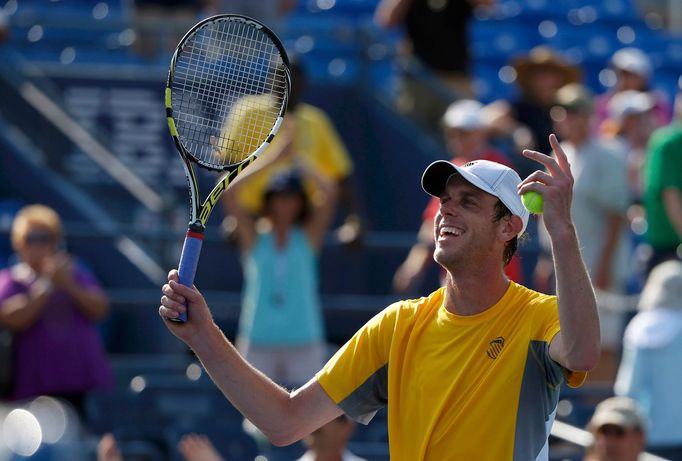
(284, 417)
(577, 304)
(256, 396)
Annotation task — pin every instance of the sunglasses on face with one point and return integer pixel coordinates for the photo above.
(39, 238)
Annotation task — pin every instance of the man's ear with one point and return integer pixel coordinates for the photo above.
(511, 226)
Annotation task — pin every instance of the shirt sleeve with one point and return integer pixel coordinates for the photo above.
(7, 286)
(85, 278)
(334, 159)
(356, 377)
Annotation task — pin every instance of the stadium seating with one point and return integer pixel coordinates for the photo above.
(66, 44)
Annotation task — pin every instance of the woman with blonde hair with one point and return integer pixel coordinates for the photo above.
(51, 305)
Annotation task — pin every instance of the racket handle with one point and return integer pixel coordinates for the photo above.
(189, 259)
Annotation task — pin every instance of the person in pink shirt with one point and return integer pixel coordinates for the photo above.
(633, 71)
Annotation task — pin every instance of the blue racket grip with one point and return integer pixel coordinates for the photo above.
(189, 259)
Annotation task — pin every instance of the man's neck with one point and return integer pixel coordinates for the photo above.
(470, 295)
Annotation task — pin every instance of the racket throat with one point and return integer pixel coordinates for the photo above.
(196, 229)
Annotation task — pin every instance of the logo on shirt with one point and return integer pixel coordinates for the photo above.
(495, 347)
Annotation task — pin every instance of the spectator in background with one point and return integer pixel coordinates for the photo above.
(192, 447)
(649, 371)
(600, 202)
(315, 142)
(618, 429)
(465, 131)
(107, 448)
(52, 304)
(281, 327)
(437, 38)
(329, 443)
(631, 123)
(662, 176)
(527, 121)
(198, 447)
(633, 70)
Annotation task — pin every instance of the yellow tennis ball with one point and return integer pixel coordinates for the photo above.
(533, 202)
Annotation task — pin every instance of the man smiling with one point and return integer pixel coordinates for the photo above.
(471, 371)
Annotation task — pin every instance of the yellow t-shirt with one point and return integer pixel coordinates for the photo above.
(458, 388)
(316, 142)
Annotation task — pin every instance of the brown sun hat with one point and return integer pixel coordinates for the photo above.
(544, 57)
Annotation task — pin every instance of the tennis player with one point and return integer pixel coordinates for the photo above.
(471, 371)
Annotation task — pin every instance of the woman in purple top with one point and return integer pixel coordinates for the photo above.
(51, 306)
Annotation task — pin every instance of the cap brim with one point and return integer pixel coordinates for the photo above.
(436, 176)
(611, 419)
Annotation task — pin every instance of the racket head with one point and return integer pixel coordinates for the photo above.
(227, 90)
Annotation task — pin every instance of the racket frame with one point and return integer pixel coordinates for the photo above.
(200, 213)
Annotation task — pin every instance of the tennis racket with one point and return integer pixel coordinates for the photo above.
(226, 95)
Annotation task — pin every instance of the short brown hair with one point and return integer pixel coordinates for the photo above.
(35, 215)
(501, 212)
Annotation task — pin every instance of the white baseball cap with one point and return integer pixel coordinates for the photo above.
(465, 114)
(618, 411)
(632, 60)
(629, 102)
(491, 177)
(663, 288)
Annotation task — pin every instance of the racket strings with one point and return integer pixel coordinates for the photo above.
(228, 90)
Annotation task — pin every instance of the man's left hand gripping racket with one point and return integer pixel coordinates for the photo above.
(226, 95)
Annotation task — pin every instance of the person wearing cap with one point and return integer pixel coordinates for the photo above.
(649, 371)
(466, 137)
(281, 328)
(470, 371)
(662, 179)
(526, 120)
(618, 430)
(631, 122)
(633, 71)
(601, 198)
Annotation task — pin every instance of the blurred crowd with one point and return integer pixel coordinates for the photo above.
(625, 150)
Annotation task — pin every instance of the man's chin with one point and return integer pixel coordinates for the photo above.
(447, 262)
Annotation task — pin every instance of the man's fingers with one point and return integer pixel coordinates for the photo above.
(535, 177)
(539, 157)
(168, 291)
(188, 293)
(173, 275)
(561, 157)
(172, 304)
(167, 313)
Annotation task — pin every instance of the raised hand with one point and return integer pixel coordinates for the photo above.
(59, 269)
(176, 297)
(555, 185)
